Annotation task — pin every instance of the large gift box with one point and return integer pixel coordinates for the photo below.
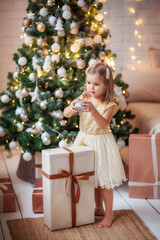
(7, 196)
(68, 187)
(144, 166)
(38, 164)
(37, 196)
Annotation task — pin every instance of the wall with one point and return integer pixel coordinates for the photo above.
(119, 19)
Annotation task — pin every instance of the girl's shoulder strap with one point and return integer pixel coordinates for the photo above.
(107, 105)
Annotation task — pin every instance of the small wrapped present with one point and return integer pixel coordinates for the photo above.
(38, 164)
(144, 166)
(68, 187)
(37, 196)
(7, 196)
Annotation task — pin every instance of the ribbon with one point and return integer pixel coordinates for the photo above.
(3, 186)
(74, 180)
(155, 169)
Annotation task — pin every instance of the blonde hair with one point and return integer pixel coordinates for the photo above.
(100, 69)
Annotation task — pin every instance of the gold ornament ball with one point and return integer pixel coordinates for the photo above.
(126, 94)
(41, 27)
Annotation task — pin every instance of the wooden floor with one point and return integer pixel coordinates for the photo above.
(147, 210)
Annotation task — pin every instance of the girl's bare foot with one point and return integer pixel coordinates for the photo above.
(99, 212)
(107, 221)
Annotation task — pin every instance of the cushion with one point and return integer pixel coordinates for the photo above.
(144, 85)
(154, 57)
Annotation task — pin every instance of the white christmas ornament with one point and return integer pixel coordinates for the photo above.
(32, 77)
(43, 12)
(74, 25)
(102, 55)
(34, 62)
(81, 3)
(59, 25)
(75, 47)
(28, 40)
(59, 114)
(19, 110)
(97, 39)
(62, 123)
(22, 61)
(74, 31)
(39, 126)
(5, 98)
(55, 47)
(34, 94)
(24, 92)
(61, 33)
(31, 130)
(117, 91)
(59, 93)
(40, 42)
(19, 95)
(122, 103)
(66, 15)
(66, 7)
(44, 135)
(99, 17)
(46, 141)
(47, 64)
(61, 72)
(53, 114)
(62, 144)
(19, 127)
(85, 8)
(27, 156)
(30, 15)
(43, 105)
(81, 64)
(81, 41)
(88, 41)
(15, 75)
(23, 29)
(12, 145)
(55, 58)
(121, 143)
(52, 20)
(41, 27)
(2, 131)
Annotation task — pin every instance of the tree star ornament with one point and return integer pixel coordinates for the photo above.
(30, 15)
(34, 95)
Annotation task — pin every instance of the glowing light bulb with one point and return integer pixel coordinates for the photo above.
(135, 32)
(131, 10)
(133, 57)
(132, 49)
(139, 44)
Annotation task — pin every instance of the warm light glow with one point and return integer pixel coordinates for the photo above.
(105, 13)
(139, 44)
(133, 57)
(68, 101)
(131, 10)
(139, 61)
(133, 68)
(136, 33)
(138, 22)
(132, 49)
(139, 36)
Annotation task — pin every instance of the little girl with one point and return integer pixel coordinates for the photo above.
(99, 108)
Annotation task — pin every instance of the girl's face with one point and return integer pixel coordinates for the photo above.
(95, 86)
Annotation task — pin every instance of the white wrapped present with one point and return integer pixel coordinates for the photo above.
(68, 187)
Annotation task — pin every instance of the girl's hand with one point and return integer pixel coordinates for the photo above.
(88, 107)
(72, 106)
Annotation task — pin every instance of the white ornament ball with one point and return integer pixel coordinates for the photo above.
(2, 131)
(55, 47)
(88, 41)
(28, 40)
(43, 12)
(117, 91)
(19, 110)
(74, 31)
(62, 123)
(39, 126)
(40, 42)
(24, 117)
(75, 47)
(66, 8)
(12, 145)
(66, 15)
(74, 25)
(53, 114)
(24, 92)
(41, 27)
(27, 156)
(23, 29)
(22, 61)
(19, 127)
(44, 135)
(102, 55)
(121, 143)
(59, 93)
(46, 141)
(59, 114)
(92, 61)
(62, 144)
(18, 93)
(81, 41)
(61, 72)
(99, 17)
(5, 98)
(55, 58)
(61, 33)
(81, 64)
(81, 3)
(25, 22)
(15, 75)
(31, 130)
(52, 20)
(43, 105)
(97, 39)
(32, 77)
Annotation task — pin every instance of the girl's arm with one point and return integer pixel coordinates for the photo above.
(101, 120)
(70, 110)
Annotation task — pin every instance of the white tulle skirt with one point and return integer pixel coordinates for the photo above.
(109, 171)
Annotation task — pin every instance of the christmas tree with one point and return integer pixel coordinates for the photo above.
(61, 39)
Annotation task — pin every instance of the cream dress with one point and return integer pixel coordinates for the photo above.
(109, 171)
